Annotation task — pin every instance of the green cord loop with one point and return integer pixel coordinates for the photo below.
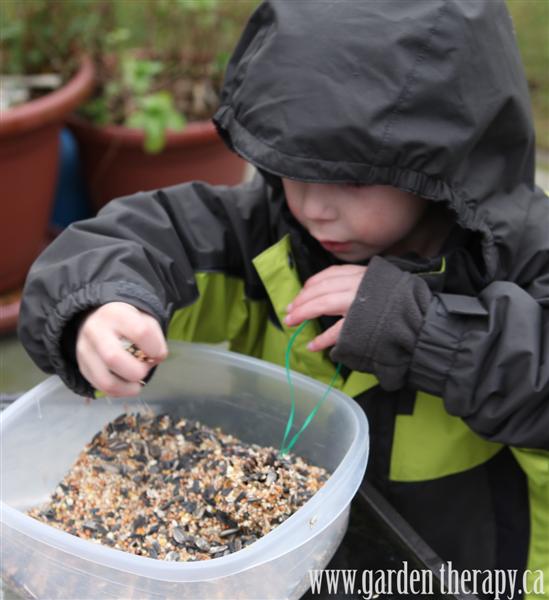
(284, 449)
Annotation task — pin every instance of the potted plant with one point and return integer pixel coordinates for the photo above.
(160, 68)
(43, 80)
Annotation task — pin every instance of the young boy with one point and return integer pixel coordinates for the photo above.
(395, 208)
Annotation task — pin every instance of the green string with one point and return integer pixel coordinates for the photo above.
(284, 449)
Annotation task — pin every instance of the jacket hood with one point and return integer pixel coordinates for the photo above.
(428, 96)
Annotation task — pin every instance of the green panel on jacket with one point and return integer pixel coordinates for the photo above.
(221, 313)
(431, 443)
(282, 283)
(535, 463)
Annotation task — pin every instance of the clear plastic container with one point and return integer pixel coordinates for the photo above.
(43, 432)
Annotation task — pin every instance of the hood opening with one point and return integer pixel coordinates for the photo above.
(427, 96)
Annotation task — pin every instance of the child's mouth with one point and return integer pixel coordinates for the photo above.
(336, 246)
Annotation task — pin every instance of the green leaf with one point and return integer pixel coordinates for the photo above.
(159, 102)
(11, 31)
(155, 136)
(155, 114)
(138, 74)
(117, 37)
(137, 120)
(96, 110)
(175, 121)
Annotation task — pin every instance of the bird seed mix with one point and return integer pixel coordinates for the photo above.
(177, 490)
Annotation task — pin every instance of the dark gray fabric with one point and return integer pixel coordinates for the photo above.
(382, 326)
(486, 367)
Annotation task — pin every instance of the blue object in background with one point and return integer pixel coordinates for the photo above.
(71, 201)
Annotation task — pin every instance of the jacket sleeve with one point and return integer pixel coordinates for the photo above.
(486, 356)
(142, 249)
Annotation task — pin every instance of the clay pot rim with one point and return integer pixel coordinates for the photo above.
(52, 107)
(195, 132)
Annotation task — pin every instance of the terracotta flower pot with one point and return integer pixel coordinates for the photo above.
(115, 163)
(29, 157)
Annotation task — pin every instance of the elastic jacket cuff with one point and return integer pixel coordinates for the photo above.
(440, 339)
(381, 328)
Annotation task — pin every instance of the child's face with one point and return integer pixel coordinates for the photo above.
(355, 222)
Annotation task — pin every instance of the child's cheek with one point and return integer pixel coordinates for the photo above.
(294, 209)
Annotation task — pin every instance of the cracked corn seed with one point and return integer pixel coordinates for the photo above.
(177, 490)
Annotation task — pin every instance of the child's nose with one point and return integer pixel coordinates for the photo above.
(319, 203)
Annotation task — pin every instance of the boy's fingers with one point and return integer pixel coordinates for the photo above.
(320, 288)
(98, 375)
(127, 322)
(145, 332)
(102, 357)
(83, 353)
(326, 338)
(329, 304)
(120, 362)
(325, 287)
(336, 271)
(329, 281)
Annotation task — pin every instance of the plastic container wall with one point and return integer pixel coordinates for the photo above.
(43, 432)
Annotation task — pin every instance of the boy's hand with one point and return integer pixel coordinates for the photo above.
(100, 353)
(330, 292)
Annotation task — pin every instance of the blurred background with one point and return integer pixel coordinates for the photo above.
(100, 99)
(134, 114)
